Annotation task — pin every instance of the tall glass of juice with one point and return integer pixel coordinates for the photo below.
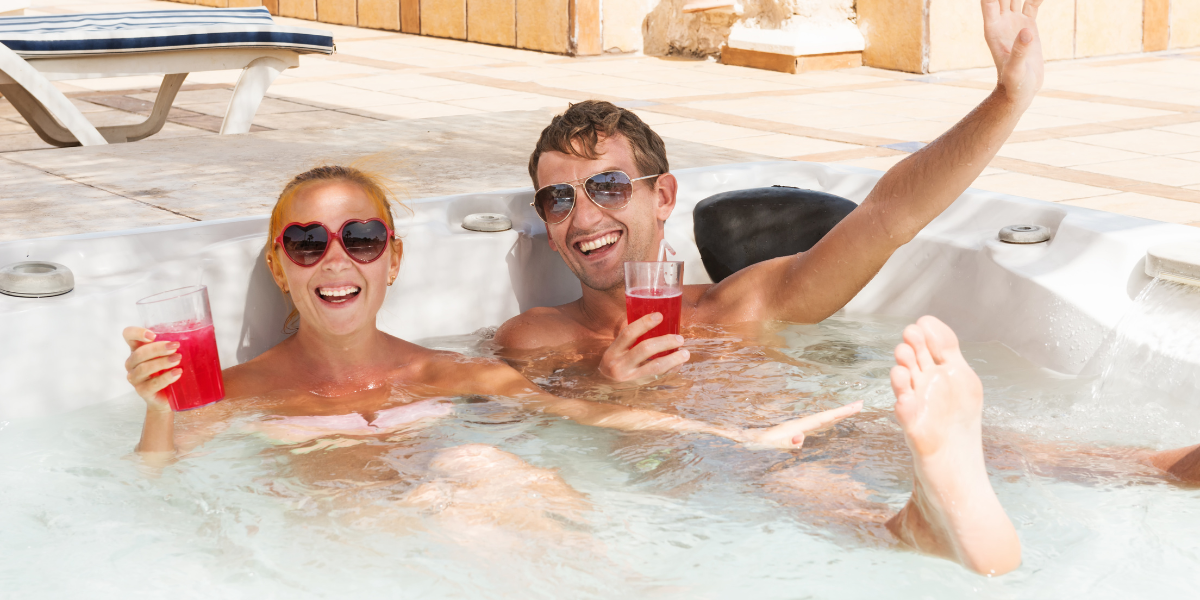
(654, 286)
(183, 316)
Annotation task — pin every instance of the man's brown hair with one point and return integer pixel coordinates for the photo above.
(576, 132)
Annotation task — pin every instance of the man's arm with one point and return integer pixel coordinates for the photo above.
(811, 286)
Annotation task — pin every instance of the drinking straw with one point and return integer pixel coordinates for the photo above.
(663, 249)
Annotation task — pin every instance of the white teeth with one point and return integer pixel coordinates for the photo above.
(337, 291)
(599, 242)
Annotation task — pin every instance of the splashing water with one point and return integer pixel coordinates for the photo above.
(1148, 368)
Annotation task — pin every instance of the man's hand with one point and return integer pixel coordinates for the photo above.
(790, 435)
(623, 361)
(1012, 35)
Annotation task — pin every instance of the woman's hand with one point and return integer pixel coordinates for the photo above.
(790, 435)
(151, 367)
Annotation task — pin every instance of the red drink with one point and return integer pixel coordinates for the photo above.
(640, 302)
(201, 381)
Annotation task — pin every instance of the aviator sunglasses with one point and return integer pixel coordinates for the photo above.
(307, 243)
(609, 190)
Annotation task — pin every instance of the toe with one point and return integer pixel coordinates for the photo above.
(902, 383)
(906, 356)
(940, 339)
(914, 336)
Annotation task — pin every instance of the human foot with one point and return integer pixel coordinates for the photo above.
(953, 512)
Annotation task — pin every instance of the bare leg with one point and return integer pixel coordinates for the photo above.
(953, 512)
(1183, 463)
(478, 485)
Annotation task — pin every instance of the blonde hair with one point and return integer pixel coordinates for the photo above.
(375, 186)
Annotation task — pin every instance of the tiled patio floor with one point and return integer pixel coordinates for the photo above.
(1119, 134)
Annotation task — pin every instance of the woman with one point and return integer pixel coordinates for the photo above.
(340, 382)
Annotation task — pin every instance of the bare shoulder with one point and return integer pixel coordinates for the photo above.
(255, 377)
(539, 327)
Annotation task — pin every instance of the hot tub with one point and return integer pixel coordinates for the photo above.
(1053, 303)
(672, 516)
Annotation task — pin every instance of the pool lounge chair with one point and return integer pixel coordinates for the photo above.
(36, 50)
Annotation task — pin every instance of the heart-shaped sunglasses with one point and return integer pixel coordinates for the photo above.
(609, 190)
(307, 243)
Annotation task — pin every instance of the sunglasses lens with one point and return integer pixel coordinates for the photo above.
(306, 245)
(554, 202)
(365, 242)
(611, 189)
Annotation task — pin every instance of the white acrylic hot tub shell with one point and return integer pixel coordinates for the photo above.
(1053, 303)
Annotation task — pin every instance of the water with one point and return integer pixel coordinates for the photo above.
(670, 516)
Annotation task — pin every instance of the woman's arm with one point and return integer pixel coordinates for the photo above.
(150, 368)
(492, 378)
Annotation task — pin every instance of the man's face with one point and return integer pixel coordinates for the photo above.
(610, 237)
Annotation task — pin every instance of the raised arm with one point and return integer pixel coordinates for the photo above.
(811, 286)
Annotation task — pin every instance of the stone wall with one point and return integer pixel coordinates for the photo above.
(918, 36)
(924, 36)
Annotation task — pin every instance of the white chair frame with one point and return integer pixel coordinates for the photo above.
(27, 84)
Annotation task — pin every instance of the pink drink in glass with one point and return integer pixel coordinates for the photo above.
(643, 301)
(654, 287)
(201, 381)
(184, 316)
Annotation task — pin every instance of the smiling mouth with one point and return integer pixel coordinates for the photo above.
(599, 244)
(339, 294)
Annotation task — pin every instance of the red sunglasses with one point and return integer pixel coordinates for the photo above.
(307, 243)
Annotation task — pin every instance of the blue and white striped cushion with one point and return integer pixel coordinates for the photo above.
(154, 31)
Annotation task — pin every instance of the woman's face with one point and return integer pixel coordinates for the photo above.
(338, 295)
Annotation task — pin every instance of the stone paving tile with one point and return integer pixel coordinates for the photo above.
(22, 141)
(1146, 141)
(1184, 128)
(781, 145)
(394, 82)
(908, 131)
(701, 131)
(1020, 184)
(1065, 153)
(1157, 169)
(1030, 121)
(459, 91)
(833, 118)
(269, 106)
(1141, 205)
(654, 119)
(514, 102)
(317, 119)
(413, 110)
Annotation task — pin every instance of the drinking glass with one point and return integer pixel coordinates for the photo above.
(183, 315)
(654, 286)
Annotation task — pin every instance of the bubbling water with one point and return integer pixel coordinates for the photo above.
(671, 516)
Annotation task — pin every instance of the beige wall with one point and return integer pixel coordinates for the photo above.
(623, 24)
(542, 25)
(379, 14)
(492, 21)
(895, 34)
(1185, 24)
(444, 18)
(1104, 27)
(956, 34)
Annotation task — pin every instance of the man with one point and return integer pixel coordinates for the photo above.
(629, 194)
